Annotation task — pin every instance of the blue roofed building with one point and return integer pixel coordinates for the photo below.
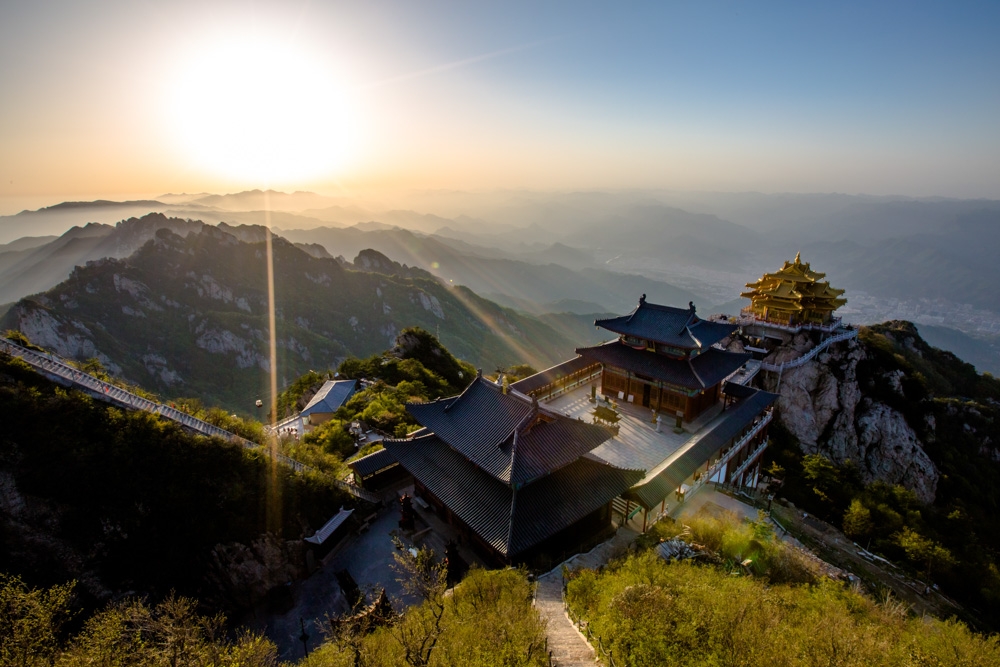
(330, 397)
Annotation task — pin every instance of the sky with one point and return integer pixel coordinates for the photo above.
(120, 99)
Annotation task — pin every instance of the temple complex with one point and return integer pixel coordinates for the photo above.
(795, 297)
(551, 462)
(514, 477)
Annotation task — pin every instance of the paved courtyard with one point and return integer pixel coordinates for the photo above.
(368, 557)
(638, 444)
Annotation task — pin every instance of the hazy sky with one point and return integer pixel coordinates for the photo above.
(137, 98)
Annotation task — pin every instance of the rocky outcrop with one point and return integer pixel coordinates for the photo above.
(225, 341)
(823, 405)
(71, 339)
(247, 572)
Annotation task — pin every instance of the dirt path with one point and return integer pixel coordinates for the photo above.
(834, 547)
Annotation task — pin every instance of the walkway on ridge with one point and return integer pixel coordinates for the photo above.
(51, 365)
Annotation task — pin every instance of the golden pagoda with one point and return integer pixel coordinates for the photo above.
(795, 295)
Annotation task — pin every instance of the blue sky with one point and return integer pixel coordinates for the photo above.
(884, 98)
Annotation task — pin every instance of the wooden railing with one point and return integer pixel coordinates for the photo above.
(52, 365)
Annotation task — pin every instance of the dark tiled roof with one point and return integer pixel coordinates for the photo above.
(372, 463)
(511, 520)
(550, 375)
(679, 327)
(476, 423)
(734, 390)
(507, 435)
(707, 369)
(548, 446)
(558, 500)
(324, 533)
(736, 419)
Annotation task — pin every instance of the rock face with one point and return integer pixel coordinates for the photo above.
(247, 573)
(825, 407)
(72, 339)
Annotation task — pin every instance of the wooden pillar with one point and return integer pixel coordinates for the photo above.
(645, 515)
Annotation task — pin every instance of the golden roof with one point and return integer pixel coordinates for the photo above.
(793, 288)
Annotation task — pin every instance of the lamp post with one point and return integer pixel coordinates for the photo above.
(304, 637)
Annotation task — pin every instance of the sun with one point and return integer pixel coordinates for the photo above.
(262, 112)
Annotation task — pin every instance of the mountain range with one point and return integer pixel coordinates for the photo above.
(188, 315)
(596, 251)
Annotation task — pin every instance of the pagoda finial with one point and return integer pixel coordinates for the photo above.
(797, 260)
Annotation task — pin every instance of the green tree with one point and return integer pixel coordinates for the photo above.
(857, 520)
(31, 621)
(171, 632)
(332, 437)
(823, 476)
(922, 551)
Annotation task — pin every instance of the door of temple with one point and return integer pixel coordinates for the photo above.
(645, 395)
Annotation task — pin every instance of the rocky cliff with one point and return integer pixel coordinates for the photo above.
(832, 412)
(902, 411)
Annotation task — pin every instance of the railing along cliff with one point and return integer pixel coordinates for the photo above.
(850, 333)
(735, 449)
(747, 318)
(53, 365)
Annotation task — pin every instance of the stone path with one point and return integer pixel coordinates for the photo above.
(568, 645)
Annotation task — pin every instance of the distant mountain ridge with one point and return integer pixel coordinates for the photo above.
(187, 315)
(887, 247)
(38, 268)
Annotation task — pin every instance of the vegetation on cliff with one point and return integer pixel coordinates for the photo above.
(955, 414)
(190, 314)
(487, 620)
(106, 496)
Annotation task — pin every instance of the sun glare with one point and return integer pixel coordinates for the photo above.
(262, 112)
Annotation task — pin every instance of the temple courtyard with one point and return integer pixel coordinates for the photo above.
(639, 444)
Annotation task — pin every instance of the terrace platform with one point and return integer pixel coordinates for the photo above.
(638, 445)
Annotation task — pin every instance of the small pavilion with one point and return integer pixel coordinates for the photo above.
(794, 296)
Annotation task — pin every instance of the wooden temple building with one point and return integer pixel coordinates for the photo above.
(515, 478)
(521, 478)
(795, 296)
(664, 359)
